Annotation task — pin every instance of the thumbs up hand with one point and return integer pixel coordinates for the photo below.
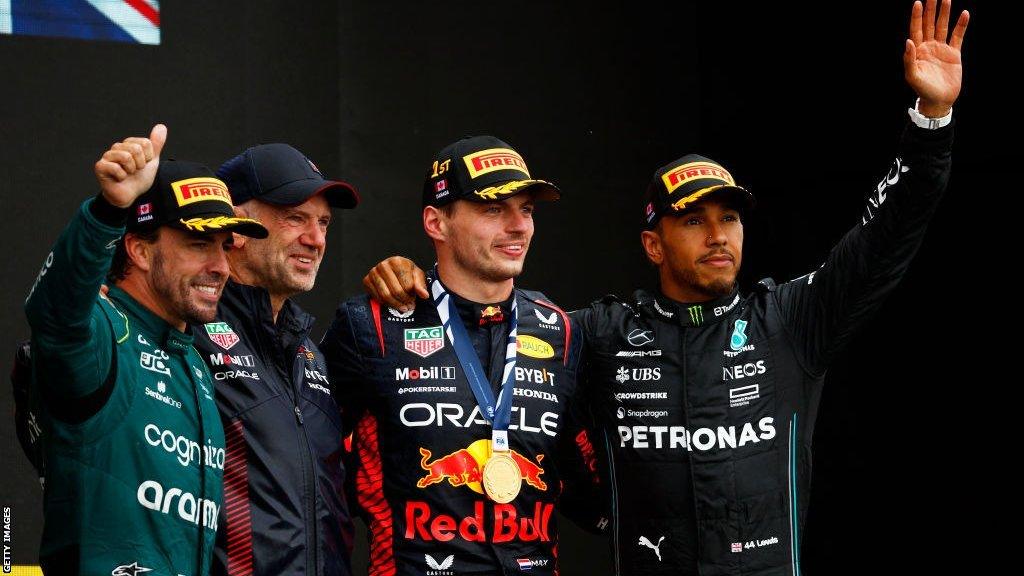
(128, 168)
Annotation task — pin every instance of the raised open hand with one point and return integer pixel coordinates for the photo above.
(931, 58)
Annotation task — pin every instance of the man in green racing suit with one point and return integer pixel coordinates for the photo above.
(133, 444)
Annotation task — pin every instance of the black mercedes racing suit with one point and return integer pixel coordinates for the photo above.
(708, 410)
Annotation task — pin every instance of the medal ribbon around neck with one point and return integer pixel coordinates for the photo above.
(498, 413)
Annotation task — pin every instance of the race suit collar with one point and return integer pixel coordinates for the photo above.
(660, 306)
(250, 307)
(170, 339)
(475, 314)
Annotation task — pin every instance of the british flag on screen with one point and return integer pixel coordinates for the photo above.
(118, 20)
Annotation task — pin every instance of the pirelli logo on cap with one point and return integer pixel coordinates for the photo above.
(693, 171)
(198, 189)
(493, 159)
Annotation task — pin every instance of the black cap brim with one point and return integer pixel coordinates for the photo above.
(337, 194)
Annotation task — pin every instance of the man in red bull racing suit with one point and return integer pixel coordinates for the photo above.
(423, 436)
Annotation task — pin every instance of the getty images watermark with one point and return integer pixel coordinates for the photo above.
(7, 540)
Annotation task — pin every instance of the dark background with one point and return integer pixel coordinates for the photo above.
(804, 105)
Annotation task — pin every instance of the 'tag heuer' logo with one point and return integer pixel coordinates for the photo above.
(493, 159)
(222, 334)
(198, 189)
(424, 341)
(692, 171)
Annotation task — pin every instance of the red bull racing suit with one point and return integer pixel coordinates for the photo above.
(420, 441)
(708, 410)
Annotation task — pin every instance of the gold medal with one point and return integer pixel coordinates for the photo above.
(501, 477)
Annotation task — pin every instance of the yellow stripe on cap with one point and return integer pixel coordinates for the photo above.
(693, 171)
(215, 223)
(198, 189)
(494, 159)
(685, 201)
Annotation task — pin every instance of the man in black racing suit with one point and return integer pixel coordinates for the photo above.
(706, 397)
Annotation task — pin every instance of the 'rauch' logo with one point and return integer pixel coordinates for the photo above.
(222, 334)
(738, 339)
(696, 314)
(533, 347)
(424, 341)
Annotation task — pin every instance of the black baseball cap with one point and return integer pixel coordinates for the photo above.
(481, 169)
(680, 184)
(279, 174)
(186, 195)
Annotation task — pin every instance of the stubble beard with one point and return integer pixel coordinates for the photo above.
(175, 295)
(713, 288)
(483, 267)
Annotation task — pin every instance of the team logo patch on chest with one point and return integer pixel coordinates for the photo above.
(222, 334)
(533, 347)
(424, 341)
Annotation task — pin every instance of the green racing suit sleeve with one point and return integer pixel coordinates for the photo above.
(72, 337)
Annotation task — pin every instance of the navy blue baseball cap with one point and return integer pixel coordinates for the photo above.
(280, 174)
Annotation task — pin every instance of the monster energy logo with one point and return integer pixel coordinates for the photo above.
(696, 314)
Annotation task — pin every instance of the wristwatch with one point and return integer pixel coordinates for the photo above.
(928, 123)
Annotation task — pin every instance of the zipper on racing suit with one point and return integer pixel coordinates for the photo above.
(308, 472)
(686, 423)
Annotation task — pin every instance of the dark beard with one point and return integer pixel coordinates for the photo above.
(179, 304)
(713, 289)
